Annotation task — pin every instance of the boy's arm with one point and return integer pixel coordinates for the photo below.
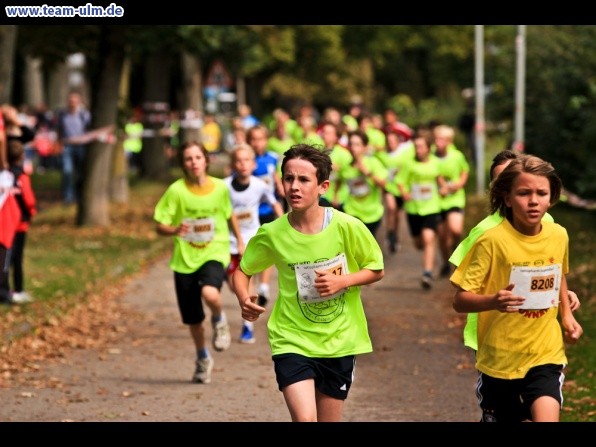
(503, 301)
(574, 303)
(328, 283)
(248, 303)
(169, 230)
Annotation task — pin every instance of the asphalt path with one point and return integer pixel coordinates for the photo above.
(419, 370)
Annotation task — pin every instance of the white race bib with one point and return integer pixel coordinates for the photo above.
(422, 191)
(305, 278)
(201, 230)
(538, 285)
(358, 187)
(245, 217)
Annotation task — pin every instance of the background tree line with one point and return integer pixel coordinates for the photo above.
(419, 70)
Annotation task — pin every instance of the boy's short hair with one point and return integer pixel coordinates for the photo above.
(319, 159)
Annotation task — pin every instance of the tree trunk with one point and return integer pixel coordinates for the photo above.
(191, 69)
(58, 86)
(34, 93)
(154, 164)
(119, 183)
(8, 39)
(93, 206)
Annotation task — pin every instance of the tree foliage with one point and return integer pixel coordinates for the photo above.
(421, 68)
(561, 102)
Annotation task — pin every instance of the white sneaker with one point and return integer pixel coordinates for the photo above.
(221, 335)
(203, 370)
(21, 297)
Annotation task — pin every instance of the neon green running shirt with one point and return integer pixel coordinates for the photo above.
(210, 208)
(333, 328)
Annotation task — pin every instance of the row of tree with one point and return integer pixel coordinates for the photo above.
(414, 68)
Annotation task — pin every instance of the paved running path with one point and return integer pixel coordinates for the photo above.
(419, 370)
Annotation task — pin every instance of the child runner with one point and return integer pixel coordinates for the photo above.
(317, 326)
(500, 162)
(246, 192)
(196, 210)
(514, 276)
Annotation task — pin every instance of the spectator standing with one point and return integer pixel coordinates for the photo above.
(26, 200)
(133, 141)
(10, 215)
(74, 121)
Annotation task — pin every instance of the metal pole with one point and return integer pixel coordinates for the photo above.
(520, 73)
(479, 95)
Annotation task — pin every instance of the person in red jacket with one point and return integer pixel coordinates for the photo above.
(25, 197)
(10, 214)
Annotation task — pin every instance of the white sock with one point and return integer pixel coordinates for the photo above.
(248, 324)
(264, 290)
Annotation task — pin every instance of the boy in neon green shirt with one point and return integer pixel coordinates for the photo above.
(323, 256)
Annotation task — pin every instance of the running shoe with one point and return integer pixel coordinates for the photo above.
(221, 335)
(203, 370)
(247, 336)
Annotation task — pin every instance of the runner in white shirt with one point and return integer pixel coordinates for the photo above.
(247, 192)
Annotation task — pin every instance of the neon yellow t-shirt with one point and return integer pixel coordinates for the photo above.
(509, 344)
(451, 168)
(278, 146)
(394, 161)
(328, 329)
(420, 179)
(365, 198)
(210, 204)
(340, 157)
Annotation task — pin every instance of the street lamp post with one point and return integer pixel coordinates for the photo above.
(520, 74)
(480, 126)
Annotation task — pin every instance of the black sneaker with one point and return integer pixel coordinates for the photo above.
(7, 300)
(262, 300)
(426, 281)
